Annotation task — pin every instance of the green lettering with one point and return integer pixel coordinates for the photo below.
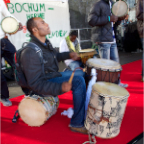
(36, 10)
(53, 34)
(64, 33)
(10, 7)
(30, 7)
(57, 33)
(35, 15)
(24, 7)
(20, 8)
(60, 33)
(42, 6)
(41, 15)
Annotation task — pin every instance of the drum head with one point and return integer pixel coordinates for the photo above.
(103, 64)
(86, 50)
(9, 25)
(32, 112)
(110, 89)
(120, 8)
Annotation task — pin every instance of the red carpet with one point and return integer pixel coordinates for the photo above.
(56, 131)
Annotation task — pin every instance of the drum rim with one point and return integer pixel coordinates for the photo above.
(13, 31)
(126, 11)
(92, 50)
(106, 68)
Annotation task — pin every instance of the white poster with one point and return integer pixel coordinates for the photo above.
(53, 12)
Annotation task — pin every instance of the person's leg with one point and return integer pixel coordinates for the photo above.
(104, 50)
(114, 52)
(4, 91)
(76, 73)
(79, 96)
(142, 60)
(75, 64)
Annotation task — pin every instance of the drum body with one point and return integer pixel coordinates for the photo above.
(120, 9)
(107, 70)
(35, 110)
(106, 109)
(85, 54)
(9, 25)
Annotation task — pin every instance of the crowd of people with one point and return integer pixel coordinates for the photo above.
(52, 82)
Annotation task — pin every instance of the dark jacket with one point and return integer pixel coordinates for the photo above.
(98, 19)
(139, 16)
(31, 65)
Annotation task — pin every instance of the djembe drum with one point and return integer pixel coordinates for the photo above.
(35, 110)
(85, 54)
(106, 109)
(107, 70)
(120, 9)
(9, 25)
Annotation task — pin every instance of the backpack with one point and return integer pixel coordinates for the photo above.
(19, 75)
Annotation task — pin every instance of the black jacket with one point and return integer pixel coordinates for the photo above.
(98, 19)
(31, 65)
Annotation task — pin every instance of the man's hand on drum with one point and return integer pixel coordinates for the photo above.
(113, 18)
(74, 56)
(20, 27)
(66, 87)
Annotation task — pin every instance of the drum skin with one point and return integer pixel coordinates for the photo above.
(106, 109)
(107, 70)
(35, 110)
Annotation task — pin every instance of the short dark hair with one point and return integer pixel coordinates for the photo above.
(73, 33)
(30, 25)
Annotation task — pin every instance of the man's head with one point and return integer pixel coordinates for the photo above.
(73, 35)
(37, 27)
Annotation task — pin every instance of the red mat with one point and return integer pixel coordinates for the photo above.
(56, 131)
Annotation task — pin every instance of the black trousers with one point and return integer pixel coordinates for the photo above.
(7, 52)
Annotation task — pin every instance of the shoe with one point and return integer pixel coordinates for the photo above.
(82, 130)
(123, 85)
(6, 102)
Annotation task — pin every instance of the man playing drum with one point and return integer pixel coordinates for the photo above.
(101, 19)
(52, 82)
(7, 51)
(71, 44)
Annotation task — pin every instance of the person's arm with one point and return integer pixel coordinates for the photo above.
(95, 18)
(36, 80)
(139, 10)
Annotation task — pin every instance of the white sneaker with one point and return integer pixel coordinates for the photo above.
(6, 102)
(123, 85)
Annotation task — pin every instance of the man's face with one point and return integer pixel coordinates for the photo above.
(73, 38)
(42, 28)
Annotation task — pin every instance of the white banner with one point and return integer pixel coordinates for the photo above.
(55, 13)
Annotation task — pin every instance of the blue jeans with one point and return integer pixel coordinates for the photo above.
(79, 96)
(75, 64)
(142, 56)
(109, 51)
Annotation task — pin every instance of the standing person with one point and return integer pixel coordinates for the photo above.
(140, 25)
(71, 44)
(52, 82)
(101, 19)
(7, 51)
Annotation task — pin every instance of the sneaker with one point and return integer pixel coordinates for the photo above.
(123, 85)
(82, 130)
(6, 102)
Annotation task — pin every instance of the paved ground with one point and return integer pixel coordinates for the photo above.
(125, 58)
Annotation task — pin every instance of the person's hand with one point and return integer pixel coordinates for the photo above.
(20, 27)
(66, 87)
(74, 56)
(122, 18)
(113, 18)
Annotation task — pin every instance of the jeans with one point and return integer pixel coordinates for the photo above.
(75, 64)
(79, 96)
(142, 56)
(109, 51)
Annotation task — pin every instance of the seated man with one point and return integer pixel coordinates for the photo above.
(52, 82)
(71, 44)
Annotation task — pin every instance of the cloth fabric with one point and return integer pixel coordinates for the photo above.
(31, 66)
(64, 48)
(4, 13)
(109, 51)
(139, 16)
(79, 96)
(75, 64)
(98, 19)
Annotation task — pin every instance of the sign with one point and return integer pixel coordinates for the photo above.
(55, 13)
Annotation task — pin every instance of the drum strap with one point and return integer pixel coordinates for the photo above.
(16, 117)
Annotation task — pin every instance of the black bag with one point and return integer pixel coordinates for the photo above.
(19, 75)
